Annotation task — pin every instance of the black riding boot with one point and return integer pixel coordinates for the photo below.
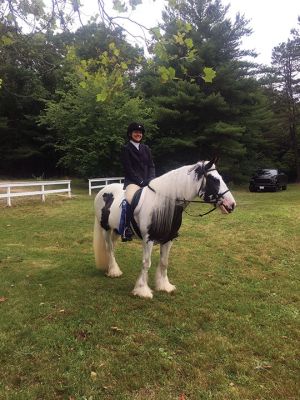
(127, 233)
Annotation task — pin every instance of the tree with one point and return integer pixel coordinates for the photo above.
(91, 110)
(33, 67)
(285, 83)
(30, 67)
(198, 119)
(62, 15)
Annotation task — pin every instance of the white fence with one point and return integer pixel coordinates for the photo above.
(42, 192)
(103, 182)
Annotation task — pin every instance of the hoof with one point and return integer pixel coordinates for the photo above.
(165, 288)
(144, 292)
(115, 273)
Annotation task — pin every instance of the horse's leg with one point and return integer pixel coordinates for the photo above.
(113, 268)
(141, 287)
(161, 277)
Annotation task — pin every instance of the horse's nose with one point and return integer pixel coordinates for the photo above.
(230, 208)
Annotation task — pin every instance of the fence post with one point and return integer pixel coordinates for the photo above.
(90, 188)
(8, 197)
(69, 189)
(43, 193)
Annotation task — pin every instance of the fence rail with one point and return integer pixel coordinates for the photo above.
(42, 192)
(103, 182)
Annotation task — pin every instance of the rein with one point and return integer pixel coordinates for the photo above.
(187, 202)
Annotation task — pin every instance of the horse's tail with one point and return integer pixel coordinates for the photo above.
(100, 251)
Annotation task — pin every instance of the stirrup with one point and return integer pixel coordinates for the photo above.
(127, 235)
(126, 239)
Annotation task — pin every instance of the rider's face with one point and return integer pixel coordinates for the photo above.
(136, 136)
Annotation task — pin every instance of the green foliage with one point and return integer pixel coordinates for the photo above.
(209, 74)
(88, 85)
(92, 109)
(119, 6)
(91, 128)
(30, 67)
(211, 106)
(166, 74)
(34, 67)
(284, 82)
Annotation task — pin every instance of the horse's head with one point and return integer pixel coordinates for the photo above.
(212, 188)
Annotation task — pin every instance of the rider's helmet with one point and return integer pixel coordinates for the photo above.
(134, 126)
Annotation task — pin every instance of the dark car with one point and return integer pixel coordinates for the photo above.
(268, 179)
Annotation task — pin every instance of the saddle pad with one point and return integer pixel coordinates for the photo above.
(124, 205)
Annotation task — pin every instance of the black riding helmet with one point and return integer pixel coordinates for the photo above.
(135, 126)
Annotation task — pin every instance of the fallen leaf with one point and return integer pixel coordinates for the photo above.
(263, 366)
(182, 397)
(3, 299)
(93, 375)
(116, 329)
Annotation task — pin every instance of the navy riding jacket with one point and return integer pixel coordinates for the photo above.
(138, 164)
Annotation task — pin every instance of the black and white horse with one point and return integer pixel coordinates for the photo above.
(158, 217)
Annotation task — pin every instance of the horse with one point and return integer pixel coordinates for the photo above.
(157, 216)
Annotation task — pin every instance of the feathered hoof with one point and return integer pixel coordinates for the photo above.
(114, 273)
(143, 291)
(169, 288)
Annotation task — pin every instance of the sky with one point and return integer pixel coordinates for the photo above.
(271, 21)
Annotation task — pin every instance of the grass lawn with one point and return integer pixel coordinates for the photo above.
(230, 331)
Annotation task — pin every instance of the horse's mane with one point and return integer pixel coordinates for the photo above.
(175, 184)
(165, 206)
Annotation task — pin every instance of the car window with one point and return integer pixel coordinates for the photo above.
(267, 172)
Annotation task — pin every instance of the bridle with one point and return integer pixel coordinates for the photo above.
(216, 198)
(214, 201)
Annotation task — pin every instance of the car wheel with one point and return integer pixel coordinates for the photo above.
(252, 189)
(284, 187)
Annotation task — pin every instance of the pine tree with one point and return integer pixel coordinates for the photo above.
(199, 119)
(286, 86)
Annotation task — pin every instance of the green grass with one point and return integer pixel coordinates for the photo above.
(230, 331)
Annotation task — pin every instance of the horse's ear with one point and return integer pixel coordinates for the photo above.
(198, 168)
(214, 160)
(193, 168)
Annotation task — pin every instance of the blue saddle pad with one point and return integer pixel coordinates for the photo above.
(124, 211)
(122, 217)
